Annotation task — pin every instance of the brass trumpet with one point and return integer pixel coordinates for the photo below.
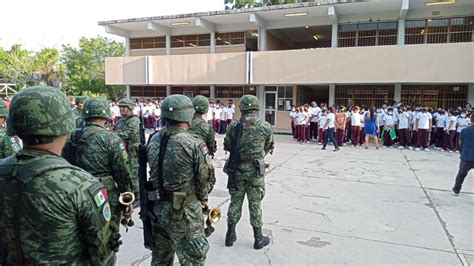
(213, 216)
(126, 199)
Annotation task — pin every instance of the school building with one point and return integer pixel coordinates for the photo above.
(351, 52)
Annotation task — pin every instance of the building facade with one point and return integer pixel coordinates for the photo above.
(350, 52)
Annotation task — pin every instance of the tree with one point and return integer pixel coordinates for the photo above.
(85, 67)
(46, 68)
(15, 65)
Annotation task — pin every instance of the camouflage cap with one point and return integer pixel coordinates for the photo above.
(249, 102)
(80, 99)
(177, 107)
(40, 111)
(201, 104)
(96, 107)
(127, 102)
(3, 109)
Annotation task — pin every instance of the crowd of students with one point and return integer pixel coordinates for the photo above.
(410, 127)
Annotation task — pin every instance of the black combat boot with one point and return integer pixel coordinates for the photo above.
(260, 240)
(230, 236)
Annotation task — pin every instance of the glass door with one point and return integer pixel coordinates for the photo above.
(270, 107)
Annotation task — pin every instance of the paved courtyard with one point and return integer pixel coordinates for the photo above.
(352, 207)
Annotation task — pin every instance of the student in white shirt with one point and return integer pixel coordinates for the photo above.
(404, 124)
(440, 118)
(424, 123)
(463, 122)
(217, 117)
(328, 128)
(356, 125)
(301, 123)
(322, 120)
(314, 111)
(292, 115)
(450, 131)
(389, 125)
(230, 110)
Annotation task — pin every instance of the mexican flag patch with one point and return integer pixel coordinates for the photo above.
(14, 139)
(122, 146)
(100, 197)
(205, 151)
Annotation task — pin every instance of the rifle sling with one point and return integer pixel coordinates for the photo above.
(161, 158)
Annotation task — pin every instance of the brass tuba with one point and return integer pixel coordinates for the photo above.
(214, 215)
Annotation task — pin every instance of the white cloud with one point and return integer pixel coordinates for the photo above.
(51, 23)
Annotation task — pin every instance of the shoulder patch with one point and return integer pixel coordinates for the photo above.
(106, 213)
(100, 197)
(122, 146)
(13, 140)
(204, 151)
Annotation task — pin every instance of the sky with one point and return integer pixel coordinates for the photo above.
(36, 24)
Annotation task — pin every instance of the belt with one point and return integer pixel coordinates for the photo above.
(167, 197)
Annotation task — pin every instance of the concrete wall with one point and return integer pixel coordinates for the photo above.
(434, 63)
(191, 50)
(125, 70)
(199, 69)
(147, 52)
(230, 49)
(274, 43)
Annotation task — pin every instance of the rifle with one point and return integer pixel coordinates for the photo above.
(146, 205)
(234, 159)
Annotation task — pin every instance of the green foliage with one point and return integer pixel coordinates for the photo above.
(85, 67)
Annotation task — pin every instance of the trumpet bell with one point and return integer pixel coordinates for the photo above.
(126, 198)
(215, 215)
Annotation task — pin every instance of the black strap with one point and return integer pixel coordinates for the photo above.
(161, 158)
(17, 230)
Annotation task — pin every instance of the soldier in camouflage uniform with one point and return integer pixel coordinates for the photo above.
(182, 173)
(202, 130)
(78, 110)
(102, 154)
(8, 144)
(51, 213)
(128, 129)
(255, 143)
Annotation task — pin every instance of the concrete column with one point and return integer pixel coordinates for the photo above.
(128, 91)
(261, 99)
(397, 94)
(212, 91)
(127, 46)
(262, 39)
(332, 94)
(213, 42)
(168, 90)
(470, 93)
(401, 32)
(168, 44)
(334, 36)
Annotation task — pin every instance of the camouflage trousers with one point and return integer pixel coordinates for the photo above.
(135, 181)
(184, 237)
(255, 190)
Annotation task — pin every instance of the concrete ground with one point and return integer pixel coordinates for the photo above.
(354, 207)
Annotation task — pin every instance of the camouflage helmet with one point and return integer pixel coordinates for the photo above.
(96, 107)
(201, 104)
(40, 111)
(3, 109)
(127, 102)
(177, 107)
(249, 102)
(80, 99)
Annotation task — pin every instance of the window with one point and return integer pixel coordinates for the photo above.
(148, 91)
(202, 90)
(439, 30)
(191, 40)
(436, 96)
(147, 43)
(285, 98)
(234, 92)
(230, 38)
(368, 34)
(364, 95)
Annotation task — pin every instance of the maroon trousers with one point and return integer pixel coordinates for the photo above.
(321, 135)
(449, 140)
(387, 140)
(439, 137)
(405, 138)
(422, 138)
(340, 136)
(307, 132)
(301, 133)
(355, 135)
(293, 129)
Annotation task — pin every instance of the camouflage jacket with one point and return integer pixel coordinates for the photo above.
(59, 212)
(103, 155)
(187, 165)
(79, 121)
(128, 129)
(255, 143)
(201, 129)
(8, 144)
